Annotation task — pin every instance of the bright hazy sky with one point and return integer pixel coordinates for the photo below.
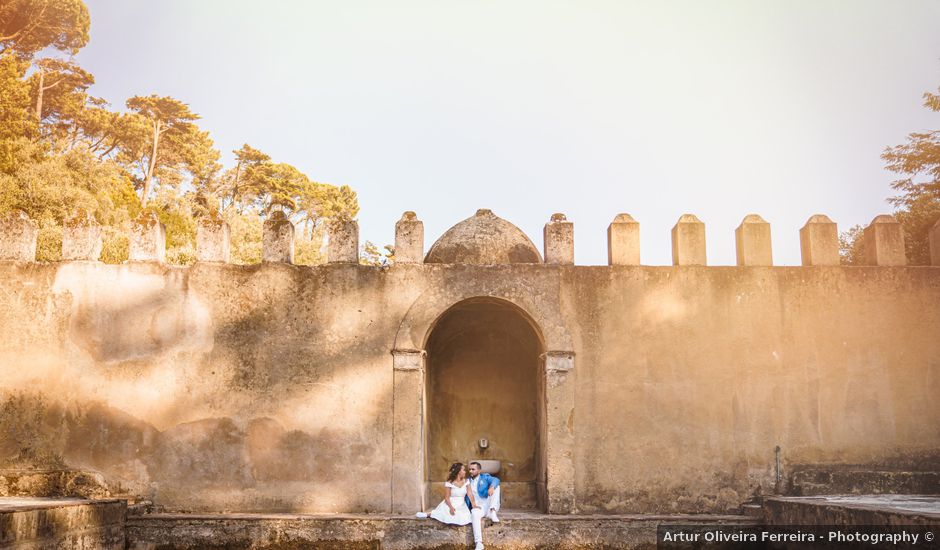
(589, 108)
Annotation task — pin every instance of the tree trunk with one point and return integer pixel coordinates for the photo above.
(238, 168)
(153, 162)
(42, 80)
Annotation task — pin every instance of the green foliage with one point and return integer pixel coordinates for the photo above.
(15, 119)
(168, 112)
(369, 254)
(183, 255)
(115, 247)
(309, 251)
(175, 212)
(851, 251)
(27, 26)
(918, 205)
(162, 145)
(62, 149)
(235, 185)
(918, 160)
(59, 87)
(917, 217)
(245, 235)
(276, 186)
(49, 242)
(51, 187)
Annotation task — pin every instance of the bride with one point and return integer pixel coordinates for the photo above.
(453, 509)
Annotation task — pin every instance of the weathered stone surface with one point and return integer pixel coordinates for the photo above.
(225, 387)
(409, 239)
(753, 242)
(18, 236)
(883, 242)
(688, 241)
(514, 532)
(66, 524)
(408, 479)
(934, 238)
(474, 343)
(147, 239)
(277, 239)
(560, 432)
(213, 240)
(344, 242)
(847, 510)
(559, 241)
(81, 237)
(834, 480)
(483, 239)
(52, 482)
(623, 241)
(819, 241)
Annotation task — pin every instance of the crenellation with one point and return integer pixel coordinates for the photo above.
(409, 239)
(623, 241)
(277, 239)
(343, 247)
(753, 243)
(883, 241)
(819, 241)
(688, 241)
(213, 240)
(81, 237)
(18, 234)
(147, 239)
(559, 241)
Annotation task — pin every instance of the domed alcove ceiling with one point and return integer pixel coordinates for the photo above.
(483, 239)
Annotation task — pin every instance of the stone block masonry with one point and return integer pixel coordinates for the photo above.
(282, 388)
(62, 524)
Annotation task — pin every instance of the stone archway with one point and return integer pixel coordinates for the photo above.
(410, 404)
(483, 381)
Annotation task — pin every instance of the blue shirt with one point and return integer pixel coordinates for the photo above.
(483, 489)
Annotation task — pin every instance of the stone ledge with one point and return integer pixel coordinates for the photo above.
(827, 481)
(853, 510)
(354, 531)
(62, 523)
(62, 482)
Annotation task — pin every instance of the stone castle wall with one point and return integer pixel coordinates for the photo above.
(277, 387)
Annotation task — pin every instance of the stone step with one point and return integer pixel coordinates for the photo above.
(837, 481)
(516, 531)
(62, 523)
(923, 510)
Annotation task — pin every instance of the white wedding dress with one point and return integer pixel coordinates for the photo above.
(462, 514)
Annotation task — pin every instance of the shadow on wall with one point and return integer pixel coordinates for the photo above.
(153, 314)
(216, 390)
(214, 453)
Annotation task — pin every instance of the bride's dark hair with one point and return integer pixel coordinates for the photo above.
(454, 471)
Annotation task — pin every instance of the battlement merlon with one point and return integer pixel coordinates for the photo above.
(882, 241)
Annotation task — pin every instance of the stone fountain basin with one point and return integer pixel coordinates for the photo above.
(491, 467)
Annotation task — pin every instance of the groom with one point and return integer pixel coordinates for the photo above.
(486, 491)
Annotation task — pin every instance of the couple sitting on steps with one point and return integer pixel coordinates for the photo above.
(468, 500)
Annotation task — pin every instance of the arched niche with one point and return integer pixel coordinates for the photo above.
(554, 477)
(484, 382)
